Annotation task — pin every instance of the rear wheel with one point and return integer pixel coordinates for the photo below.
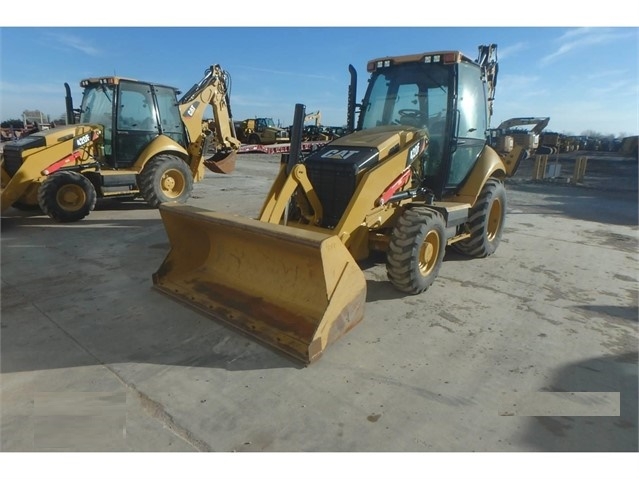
(66, 196)
(166, 178)
(486, 221)
(254, 139)
(416, 250)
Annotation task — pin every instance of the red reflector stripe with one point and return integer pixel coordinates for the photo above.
(399, 182)
(63, 162)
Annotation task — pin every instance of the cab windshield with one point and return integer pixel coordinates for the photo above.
(97, 104)
(97, 107)
(408, 94)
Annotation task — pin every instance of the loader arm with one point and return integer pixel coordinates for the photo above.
(211, 90)
(515, 147)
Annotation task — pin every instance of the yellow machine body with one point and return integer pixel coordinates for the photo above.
(132, 139)
(290, 276)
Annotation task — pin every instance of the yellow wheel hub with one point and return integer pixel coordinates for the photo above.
(429, 252)
(172, 183)
(71, 197)
(494, 220)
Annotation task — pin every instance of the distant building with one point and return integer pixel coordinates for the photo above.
(34, 116)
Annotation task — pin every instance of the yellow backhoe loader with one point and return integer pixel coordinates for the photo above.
(414, 175)
(133, 139)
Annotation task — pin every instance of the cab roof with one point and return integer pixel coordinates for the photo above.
(115, 80)
(443, 56)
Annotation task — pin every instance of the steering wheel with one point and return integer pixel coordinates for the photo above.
(412, 114)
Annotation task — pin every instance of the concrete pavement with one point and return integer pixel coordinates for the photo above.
(93, 359)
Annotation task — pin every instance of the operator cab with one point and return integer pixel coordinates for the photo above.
(441, 92)
(133, 114)
(261, 124)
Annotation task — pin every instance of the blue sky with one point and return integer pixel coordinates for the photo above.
(582, 78)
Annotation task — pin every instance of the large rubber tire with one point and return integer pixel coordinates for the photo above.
(254, 139)
(165, 179)
(486, 221)
(416, 250)
(66, 196)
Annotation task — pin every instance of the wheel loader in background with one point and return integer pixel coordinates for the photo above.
(260, 131)
(133, 139)
(414, 175)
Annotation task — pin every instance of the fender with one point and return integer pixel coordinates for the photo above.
(488, 165)
(160, 144)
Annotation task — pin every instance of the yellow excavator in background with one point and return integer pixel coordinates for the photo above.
(315, 117)
(133, 139)
(416, 174)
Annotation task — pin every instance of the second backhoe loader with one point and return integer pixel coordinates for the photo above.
(133, 139)
(415, 175)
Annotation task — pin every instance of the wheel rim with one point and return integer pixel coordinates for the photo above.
(71, 197)
(172, 183)
(494, 220)
(429, 252)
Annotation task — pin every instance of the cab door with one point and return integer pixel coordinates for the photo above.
(136, 122)
(471, 124)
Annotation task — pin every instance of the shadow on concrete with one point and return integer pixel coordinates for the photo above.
(608, 193)
(624, 313)
(102, 204)
(120, 204)
(619, 208)
(381, 290)
(591, 433)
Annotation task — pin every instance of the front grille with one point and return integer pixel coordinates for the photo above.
(14, 151)
(12, 160)
(334, 179)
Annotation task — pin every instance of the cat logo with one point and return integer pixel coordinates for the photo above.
(191, 110)
(339, 154)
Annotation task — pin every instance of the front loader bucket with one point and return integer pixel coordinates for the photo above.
(295, 290)
(221, 162)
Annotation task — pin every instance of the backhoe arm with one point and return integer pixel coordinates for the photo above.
(218, 135)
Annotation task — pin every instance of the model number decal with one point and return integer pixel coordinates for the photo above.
(339, 154)
(82, 140)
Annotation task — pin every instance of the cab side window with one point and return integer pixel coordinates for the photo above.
(136, 108)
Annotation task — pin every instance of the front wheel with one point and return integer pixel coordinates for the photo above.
(66, 196)
(164, 179)
(486, 221)
(416, 250)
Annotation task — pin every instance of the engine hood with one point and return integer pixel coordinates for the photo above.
(385, 139)
(55, 135)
